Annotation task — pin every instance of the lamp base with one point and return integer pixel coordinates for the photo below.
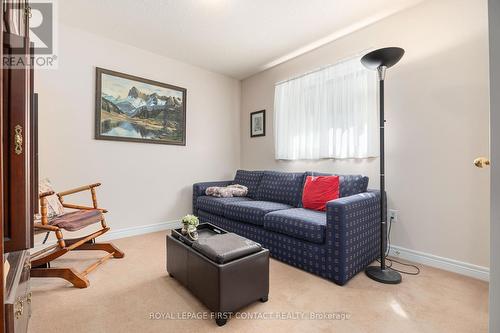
(378, 274)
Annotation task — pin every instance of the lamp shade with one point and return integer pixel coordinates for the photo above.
(386, 57)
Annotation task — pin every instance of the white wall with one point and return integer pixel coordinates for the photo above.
(437, 123)
(142, 183)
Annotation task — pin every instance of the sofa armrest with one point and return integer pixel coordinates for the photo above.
(200, 188)
(353, 233)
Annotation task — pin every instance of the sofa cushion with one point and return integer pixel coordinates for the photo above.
(252, 211)
(215, 205)
(250, 179)
(283, 187)
(305, 224)
(349, 184)
(352, 184)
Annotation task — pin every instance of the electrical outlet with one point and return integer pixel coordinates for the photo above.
(392, 215)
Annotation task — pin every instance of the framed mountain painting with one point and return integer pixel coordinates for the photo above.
(130, 108)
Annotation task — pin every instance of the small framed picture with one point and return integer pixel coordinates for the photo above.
(258, 123)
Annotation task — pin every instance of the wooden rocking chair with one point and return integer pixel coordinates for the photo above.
(81, 217)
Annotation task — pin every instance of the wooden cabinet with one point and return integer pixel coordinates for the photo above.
(17, 151)
(18, 164)
(17, 292)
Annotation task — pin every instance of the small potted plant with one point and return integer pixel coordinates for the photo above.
(189, 224)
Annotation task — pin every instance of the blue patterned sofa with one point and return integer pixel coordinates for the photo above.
(336, 244)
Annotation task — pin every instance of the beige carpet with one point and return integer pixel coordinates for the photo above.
(124, 292)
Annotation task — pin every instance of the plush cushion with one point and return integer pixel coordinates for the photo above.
(54, 206)
(282, 187)
(199, 189)
(229, 191)
(252, 211)
(250, 179)
(215, 205)
(77, 220)
(348, 184)
(319, 190)
(306, 224)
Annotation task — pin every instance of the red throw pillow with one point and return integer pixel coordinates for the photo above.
(319, 190)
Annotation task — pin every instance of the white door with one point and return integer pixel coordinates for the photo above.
(494, 29)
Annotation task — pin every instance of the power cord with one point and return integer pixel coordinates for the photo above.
(392, 261)
(46, 237)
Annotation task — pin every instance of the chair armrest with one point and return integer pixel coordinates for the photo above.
(200, 188)
(78, 189)
(46, 194)
(90, 188)
(353, 233)
(81, 207)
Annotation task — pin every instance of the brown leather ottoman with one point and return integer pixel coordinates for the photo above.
(224, 278)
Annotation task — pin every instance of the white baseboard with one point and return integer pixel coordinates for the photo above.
(463, 268)
(140, 230)
(478, 272)
(126, 232)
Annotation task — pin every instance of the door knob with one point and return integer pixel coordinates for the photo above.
(481, 162)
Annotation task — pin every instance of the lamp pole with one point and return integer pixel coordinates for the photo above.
(383, 222)
(380, 60)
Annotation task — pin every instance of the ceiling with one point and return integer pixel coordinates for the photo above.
(237, 38)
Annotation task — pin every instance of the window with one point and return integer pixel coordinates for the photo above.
(329, 113)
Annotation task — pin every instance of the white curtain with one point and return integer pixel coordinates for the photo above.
(329, 113)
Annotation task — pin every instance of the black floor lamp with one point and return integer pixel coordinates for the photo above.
(380, 60)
